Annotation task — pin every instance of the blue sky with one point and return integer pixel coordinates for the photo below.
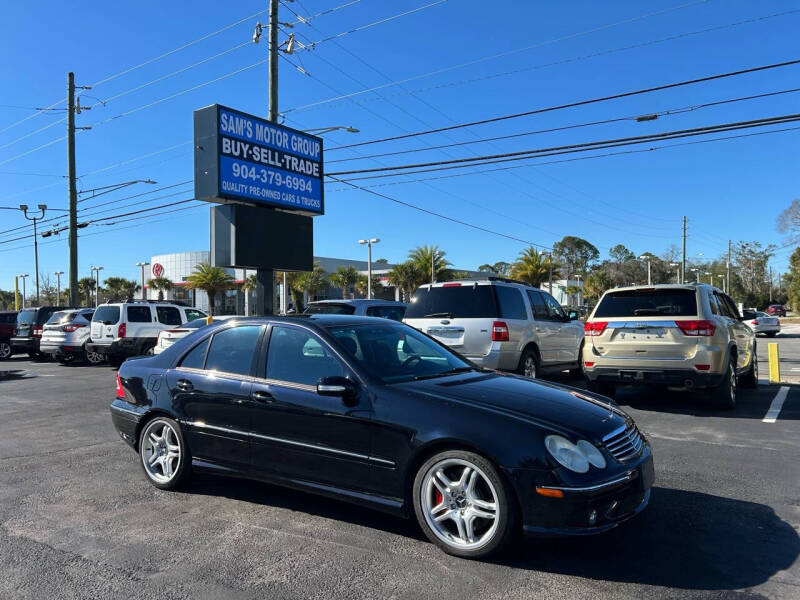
(524, 55)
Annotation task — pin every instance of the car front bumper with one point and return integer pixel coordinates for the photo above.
(587, 509)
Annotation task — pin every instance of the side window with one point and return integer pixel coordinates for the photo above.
(168, 315)
(553, 309)
(296, 356)
(511, 304)
(232, 350)
(196, 357)
(395, 313)
(724, 309)
(731, 307)
(139, 314)
(193, 313)
(712, 301)
(538, 306)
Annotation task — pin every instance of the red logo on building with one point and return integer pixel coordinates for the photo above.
(158, 270)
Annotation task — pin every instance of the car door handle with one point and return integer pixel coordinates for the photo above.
(184, 385)
(262, 396)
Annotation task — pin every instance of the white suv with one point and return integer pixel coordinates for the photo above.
(131, 328)
(499, 323)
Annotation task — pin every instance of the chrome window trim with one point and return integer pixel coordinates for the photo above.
(269, 438)
(249, 378)
(636, 324)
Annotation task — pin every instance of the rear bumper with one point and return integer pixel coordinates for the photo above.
(126, 419)
(61, 348)
(497, 358)
(117, 349)
(594, 508)
(635, 374)
(25, 344)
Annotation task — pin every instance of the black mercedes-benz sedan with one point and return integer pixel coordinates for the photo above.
(377, 413)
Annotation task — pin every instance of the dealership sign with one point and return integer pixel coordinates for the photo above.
(243, 158)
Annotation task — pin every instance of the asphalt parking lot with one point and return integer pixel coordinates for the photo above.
(78, 519)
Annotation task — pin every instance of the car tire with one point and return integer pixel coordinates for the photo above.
(529, 363)
(148, 350)
(5, 350)
(724, 395)
(464, 505)
(92, 358)
(577, 372)
(163, 454)
(750, 379)
(772, 334)
(603, 388)
(66, 359)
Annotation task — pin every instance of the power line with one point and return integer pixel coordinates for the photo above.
(577, 103)
(500, 55)
(306, 19)
(555, 150)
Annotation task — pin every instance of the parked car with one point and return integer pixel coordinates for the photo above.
(123, 329)
(167, 337)
(685, 336)
(761, 322)
(386, 309)
(65, 334)
(374, 412)
(30, 323)
(499, 323)
(8, 328)
(778, 310)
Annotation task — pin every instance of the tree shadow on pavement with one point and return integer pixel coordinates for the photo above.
(684, 540)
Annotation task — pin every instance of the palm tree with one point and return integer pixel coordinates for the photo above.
(162, 284)
(211, 280)
(119, 288)
(249, 285)
(532, 268)
(86, 286)
(361, 284)
(407, 277)
(310, 282)
(422, 256)
(344, 279)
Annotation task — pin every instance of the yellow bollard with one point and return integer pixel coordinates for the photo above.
(774, 364)
(209, 320)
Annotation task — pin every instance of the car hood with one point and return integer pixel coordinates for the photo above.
(559, 408)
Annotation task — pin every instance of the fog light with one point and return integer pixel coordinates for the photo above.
(593, 517)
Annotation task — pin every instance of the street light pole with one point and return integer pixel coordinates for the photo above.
(96, 270)
(142, 265)
(58, 275)
(24, 276)
(24, 209)
(647, 258)
(710, 277)
(678, 272)
(369, 243)
(723, 283)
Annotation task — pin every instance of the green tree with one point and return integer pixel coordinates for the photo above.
(575, 254)
(311, 282)
(407, 277)
(211, 280)
(500, 268)
(752, 287)
(86, 286)
(794, 280)
(596, 283)
(162, 284)
(119, 289)
(532, 267)
(361, 284)
(249, 285)
(6, 300)
(344, 278)
(296, 295)
(424, 256)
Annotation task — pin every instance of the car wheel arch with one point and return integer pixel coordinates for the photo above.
(533, 346)
(146, 418)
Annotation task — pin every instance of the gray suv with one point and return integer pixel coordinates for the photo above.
(680, 336)
(499, 323)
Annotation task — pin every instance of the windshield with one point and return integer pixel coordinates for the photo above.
(454, 301)
(106, 314)
(26, 316)
(330, 309)
(62, 316)
(648, 303)
(395, 353)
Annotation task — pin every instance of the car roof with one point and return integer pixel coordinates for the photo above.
(322, 321)
(664, 286)
(359, 301)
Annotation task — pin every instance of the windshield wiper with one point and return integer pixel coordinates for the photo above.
(439, 314)
(443, 373)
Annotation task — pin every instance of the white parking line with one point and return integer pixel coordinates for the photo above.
(777, 404)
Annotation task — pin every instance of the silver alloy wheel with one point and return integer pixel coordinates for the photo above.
(160, 451)
(5, 350)
(460, 504)
(150, 351)
(755, 367)
(732, 377)
(94, 358)
(529, 366)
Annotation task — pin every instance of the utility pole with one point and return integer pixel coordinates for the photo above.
(73, 192)
(142, 265)
(683, 259)
(728, 272)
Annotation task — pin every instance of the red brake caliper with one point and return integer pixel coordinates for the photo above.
(437, 497)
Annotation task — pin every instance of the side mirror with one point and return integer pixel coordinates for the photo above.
(338, 387)
(573, 315)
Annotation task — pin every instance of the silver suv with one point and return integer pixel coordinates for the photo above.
(499, 323)
(65, 334)
(681, 336)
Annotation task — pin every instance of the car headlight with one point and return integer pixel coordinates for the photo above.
(575, 457)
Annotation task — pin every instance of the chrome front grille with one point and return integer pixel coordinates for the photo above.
(625, 443)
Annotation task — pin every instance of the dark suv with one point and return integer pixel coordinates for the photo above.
(30, 322)
(776, 310)
(8, 327)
